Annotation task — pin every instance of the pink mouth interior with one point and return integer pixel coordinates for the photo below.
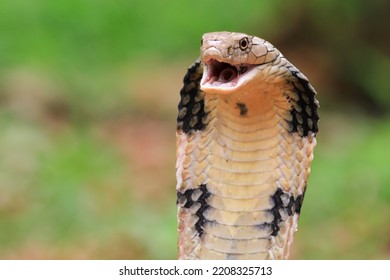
(223, 73)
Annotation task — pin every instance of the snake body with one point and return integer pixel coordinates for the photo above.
(246, 127)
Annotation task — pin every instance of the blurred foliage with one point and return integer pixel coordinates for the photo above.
(88, 96)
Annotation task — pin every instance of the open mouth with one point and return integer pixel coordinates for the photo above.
(221, 74)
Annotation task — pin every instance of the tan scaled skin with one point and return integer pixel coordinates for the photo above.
(250, 161)
(225, 46)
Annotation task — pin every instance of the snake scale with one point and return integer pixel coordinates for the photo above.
(246, 127)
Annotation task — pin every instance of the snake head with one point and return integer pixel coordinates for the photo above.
(231, 59)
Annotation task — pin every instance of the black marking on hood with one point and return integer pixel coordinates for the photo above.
(196, 198)
(283, 201)
(191, 111)
(304, 110)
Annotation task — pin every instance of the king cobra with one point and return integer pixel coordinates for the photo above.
(246, 131)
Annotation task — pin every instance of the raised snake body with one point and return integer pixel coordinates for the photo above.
(246, 130)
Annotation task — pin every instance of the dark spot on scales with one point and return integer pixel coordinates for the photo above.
(243, 109)
(194, 196)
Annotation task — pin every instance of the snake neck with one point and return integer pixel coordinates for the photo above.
(243, 161)
(240, 192)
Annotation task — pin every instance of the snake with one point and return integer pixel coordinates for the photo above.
(246, 130)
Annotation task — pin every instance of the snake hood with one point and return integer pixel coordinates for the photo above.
(246, 127)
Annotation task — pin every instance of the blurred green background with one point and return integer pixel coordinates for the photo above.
(88, 102)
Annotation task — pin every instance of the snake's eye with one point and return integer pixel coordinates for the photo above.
(244, 43)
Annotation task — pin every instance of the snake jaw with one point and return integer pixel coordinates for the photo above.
(222, 77)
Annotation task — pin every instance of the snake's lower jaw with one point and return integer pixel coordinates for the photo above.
(221, 77)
